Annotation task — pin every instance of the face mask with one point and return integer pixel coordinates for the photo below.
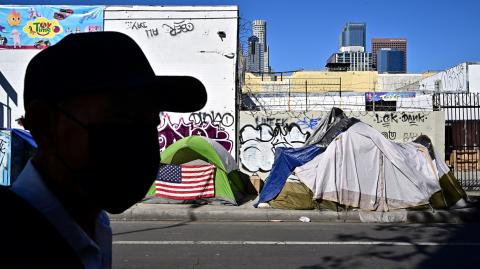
(122, 163)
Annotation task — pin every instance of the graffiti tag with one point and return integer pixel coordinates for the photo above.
(169, 133)
(225, 119)
(179, 27)
(392, 118)
(151, 32)
(271, 121)
(454, 79)
(308, 123)
(258, 144)
(390, 135)
(136, 25)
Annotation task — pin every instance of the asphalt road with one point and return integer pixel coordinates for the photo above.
(294, 245)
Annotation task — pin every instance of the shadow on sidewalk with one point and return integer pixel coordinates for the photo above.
(191, 218)
(459, 247)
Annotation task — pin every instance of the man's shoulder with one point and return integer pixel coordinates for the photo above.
(12, 205)
(27, 234)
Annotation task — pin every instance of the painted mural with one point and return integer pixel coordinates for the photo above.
(38, 27)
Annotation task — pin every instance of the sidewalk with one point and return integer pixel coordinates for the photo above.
(246, 212)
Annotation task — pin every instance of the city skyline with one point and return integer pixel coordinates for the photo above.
(303, 34)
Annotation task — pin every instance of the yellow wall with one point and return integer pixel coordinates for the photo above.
(316, 81)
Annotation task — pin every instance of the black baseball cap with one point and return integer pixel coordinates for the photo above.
(98, 62)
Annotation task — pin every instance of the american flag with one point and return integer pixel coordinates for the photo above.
(185, 182)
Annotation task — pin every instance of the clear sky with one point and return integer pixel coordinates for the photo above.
(303, 34)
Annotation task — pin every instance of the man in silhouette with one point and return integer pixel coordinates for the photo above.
(92, 104)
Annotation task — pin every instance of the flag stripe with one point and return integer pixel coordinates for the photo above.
(196, 170)
(187, 191)
(183, 186)
(196, 184)
(185, 181)
(185, 196)
(191, 180)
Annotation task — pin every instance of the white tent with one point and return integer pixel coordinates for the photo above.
(361, 168)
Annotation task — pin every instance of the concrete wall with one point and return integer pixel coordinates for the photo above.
(316, 81)
(185, 41)
(474, 78)
(261, 133)
(392, 82)
(451, 80)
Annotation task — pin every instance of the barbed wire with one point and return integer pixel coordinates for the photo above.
(296, 105)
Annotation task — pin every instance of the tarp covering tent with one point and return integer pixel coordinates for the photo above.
(329, 127)
(363, 169)
(230, 187)
(285, 161)
(451, 192)
(360, 169)
(16, 147)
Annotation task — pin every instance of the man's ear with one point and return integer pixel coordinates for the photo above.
(40, 120)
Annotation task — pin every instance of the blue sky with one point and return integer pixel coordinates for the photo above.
(303, 34)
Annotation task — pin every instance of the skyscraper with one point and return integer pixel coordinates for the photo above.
(351, 55)
(253, 59)
(259, 30)
(390, 61)
(353, 35)
(392, 43)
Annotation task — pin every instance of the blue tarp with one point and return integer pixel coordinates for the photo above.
(286, 160)
(25, 136)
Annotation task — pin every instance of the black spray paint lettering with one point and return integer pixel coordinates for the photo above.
(225, 119)
(390, 118)
(151, 32)
(136, 25)
(390, 135)
(271, 121)
(387, 119)
(413, 119)
(179, 27)
(258, 143)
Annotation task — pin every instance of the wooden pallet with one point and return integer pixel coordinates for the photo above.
(465, 160)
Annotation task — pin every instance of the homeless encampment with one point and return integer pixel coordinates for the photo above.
(229, 186)
(360, 168)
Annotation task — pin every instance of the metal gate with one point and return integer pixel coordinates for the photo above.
(462, 135)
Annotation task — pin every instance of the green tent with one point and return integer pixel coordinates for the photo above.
(229, 185)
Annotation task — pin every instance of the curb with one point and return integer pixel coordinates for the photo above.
(156, 212)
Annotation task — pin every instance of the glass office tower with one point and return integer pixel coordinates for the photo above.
(353, 34)
(390, 61)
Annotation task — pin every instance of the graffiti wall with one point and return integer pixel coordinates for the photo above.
(5, 157)
(450, 80)
(261, 133)
(194, 41)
